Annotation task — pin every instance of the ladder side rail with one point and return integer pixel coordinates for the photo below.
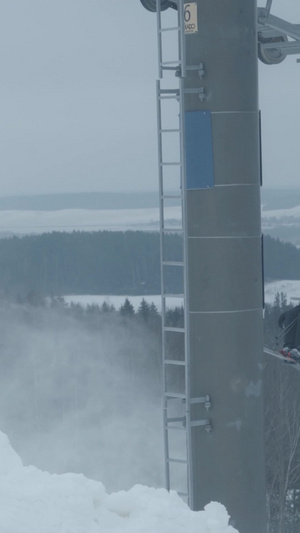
(163, 302)
(181, 44)
(182, 52)
(186, 293)
(159, 38)
(161, 194)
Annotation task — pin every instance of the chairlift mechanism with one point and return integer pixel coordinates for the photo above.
(272, 31)
(276, 37)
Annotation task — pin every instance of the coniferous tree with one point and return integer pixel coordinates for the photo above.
(127, 309)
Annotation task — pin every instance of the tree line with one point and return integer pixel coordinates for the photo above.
(108, 263)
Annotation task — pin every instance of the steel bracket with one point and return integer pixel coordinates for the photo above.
(202, 399)
(200, 91)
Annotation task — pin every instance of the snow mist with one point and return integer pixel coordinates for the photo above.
(79, 398)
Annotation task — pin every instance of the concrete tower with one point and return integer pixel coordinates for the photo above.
(225, 259)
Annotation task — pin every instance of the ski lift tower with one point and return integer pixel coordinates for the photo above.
(213, 81)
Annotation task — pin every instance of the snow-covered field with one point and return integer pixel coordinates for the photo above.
(27, 222)
(281, 214)
(291, 288)
(32, 501)
(117, 301)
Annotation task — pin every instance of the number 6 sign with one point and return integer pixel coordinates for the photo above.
(190, 18)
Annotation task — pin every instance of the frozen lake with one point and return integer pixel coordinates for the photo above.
(147, 219)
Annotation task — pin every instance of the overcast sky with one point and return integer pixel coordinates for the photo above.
(78, 108)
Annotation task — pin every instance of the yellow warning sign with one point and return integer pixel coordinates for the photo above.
(190, 18)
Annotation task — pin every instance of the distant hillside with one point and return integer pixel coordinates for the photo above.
(281, 259)
(107, 263)
(280, 198)
(86, 200)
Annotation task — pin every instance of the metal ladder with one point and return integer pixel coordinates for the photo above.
(177, 401)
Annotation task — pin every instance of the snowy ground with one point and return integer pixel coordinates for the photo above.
(27, 222)
(291, 288)
(32, 501)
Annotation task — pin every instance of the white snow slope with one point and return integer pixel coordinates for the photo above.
(32, 501)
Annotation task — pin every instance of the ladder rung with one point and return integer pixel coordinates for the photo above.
(171, 163)
(173, 263)
(174, 362)
(176, 419)
(183, 494)
(171, 196)
(172, 230)
(179, 428)
(173, 295)
(169, 91)
(170, 130)
(165, 63)
(173, 28)
(172, 329)
(175, 395)
(169, 97)
(171, 68)
(171, 460)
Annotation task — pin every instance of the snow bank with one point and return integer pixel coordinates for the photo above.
(35, 501)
